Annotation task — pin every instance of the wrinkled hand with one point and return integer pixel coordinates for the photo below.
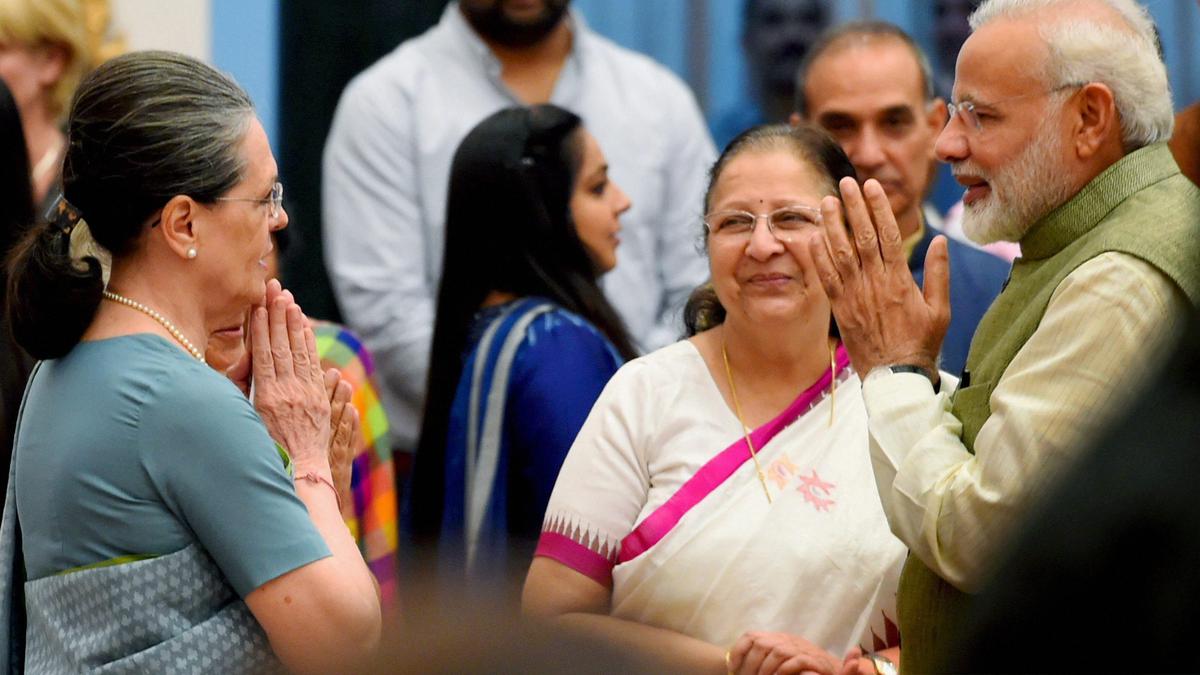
(343, 424)
(765, 653)
(289, 387)
(884, 318)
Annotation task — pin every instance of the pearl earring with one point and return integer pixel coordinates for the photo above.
(191, 253)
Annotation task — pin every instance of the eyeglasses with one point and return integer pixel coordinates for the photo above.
(784, 223)
(966, 109)
(275, 199)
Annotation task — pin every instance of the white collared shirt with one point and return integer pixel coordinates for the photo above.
(386, 172)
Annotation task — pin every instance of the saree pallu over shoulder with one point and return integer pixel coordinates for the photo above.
(725, 464)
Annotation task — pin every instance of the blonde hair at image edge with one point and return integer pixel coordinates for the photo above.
(81, 27)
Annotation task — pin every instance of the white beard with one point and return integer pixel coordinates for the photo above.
(1021, 193)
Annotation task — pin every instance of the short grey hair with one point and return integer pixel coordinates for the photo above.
(1085, 50)
(864, 31)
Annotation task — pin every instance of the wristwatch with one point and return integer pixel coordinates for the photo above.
(933, 376)
(883, 665)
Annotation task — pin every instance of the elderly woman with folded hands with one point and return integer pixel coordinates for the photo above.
(209, 520)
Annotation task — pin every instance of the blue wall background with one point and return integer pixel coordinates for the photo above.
(245, 35)
(698, 39)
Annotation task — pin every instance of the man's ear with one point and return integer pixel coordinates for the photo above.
(1094, 119)
(178, 224)
(937, 114)
(936, 117)
(794, 119)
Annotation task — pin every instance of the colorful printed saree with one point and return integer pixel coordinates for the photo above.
(372, 513)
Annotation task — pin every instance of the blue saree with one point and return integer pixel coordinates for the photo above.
(530, 376)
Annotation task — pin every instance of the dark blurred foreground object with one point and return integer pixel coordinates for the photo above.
(1107, 577)
(492, 639)
(16, 214)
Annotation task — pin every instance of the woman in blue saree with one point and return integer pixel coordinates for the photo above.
(524, 340)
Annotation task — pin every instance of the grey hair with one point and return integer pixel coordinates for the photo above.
(1085, 50)
(863, 31)
(145, 127)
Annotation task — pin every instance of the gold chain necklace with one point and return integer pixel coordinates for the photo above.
(737, 406)
(175, 332)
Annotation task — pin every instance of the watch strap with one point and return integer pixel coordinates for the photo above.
(933, 377)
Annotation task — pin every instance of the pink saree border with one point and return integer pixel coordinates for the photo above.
(718, 469)
(575, 555)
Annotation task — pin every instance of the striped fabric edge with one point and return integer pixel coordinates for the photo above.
(565, 539)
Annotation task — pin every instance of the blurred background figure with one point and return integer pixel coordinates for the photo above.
(776, 34)
(950, 30)
(1185, 142)
(16, 215)
(388, 155)
(524, 342)
(369, 508)
(46, 46)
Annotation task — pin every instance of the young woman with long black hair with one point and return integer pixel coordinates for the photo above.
(524, 339)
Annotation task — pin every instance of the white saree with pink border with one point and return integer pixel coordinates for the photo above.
(659, 498)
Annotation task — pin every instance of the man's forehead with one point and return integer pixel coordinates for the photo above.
(864, 77)
(1003, 58)
(864, 109)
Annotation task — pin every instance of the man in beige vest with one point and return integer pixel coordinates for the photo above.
(1058, 127)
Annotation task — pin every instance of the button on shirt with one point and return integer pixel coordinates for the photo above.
(386, 174)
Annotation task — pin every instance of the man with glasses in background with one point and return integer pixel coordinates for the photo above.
(870, 86)
(1058, 133)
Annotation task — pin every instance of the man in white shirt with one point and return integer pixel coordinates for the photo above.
(1058, 133)
(387, 164)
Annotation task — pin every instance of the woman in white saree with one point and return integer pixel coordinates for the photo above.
(718, 508)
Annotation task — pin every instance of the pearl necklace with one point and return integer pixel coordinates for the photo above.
(175, 332)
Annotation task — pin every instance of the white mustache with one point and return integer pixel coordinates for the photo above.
(969, 169)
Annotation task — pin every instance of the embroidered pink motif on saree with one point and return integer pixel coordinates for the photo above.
(816, 491)
(781, 472)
